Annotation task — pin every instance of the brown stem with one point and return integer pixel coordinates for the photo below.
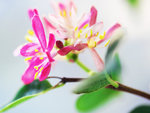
(120, 88)
(130, 90)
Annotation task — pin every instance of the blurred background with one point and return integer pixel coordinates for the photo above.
(134, 53)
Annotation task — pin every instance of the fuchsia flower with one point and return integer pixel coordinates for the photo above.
(80, 33)
(37, 52)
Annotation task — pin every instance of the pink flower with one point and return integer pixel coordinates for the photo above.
(37, 52)
(80, 32)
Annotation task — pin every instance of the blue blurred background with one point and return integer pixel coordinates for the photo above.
(134, 53)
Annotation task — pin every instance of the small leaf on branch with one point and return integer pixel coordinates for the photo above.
(27, 92)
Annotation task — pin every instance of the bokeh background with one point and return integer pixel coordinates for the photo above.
(134, 52)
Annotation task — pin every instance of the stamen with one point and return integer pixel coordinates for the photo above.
(107, 42)
(85, 26)
(70, 13)
(41, 58)
(36, 74)
(91, 43)
(91, 32)
(97, 34)
(86, 35)
(36, 50)
(78, 36)
(28, 58)
(102, 36)
(28, 39)
(41, 69)
(64, 13)
(30, 32)
(36, 67)
(76, 28)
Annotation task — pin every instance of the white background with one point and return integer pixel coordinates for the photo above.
(134, 53)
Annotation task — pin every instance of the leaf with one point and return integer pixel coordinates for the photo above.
(141, 109)
(27, 92)
(89, 101)
(111, 48)
(133, 3)
(113, 67)
(91, 84)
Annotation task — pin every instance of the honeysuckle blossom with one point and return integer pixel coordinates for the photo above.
(37, 51)
(78, 33)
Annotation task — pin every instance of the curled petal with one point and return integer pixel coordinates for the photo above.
(39, 31)
(64, 51)
(30, 72)
(31, 13)
(45, 72)
(110, 32)
(93, 16)
(51, 42)
(30, 49)
(48, 24)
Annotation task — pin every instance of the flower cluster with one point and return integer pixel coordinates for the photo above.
(75, 34)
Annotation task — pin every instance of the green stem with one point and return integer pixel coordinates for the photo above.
(85, 68)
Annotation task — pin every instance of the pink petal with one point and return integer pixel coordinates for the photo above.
(48, 24)
(29, 49)
(97, 59)
(64, 51)
(31, 13)
(93, 15)
(110, 32)
(51, 42)
(29, 74)
(62, 6)
(45, 72)
(80, 47)
(39, 31)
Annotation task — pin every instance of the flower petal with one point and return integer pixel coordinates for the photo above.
(51, 42)
(93, 16)
(97, 59)
(29, 74)
(30, 49)
(110, 32)
(48, 24)
(65, 50)
(31, 13)
(45, 72)
(39, 31)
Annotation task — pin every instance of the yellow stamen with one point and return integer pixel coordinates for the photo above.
(102, 36)
(70, 13)
(91, 32)
(41, 69)
(36, 50)
(107, 43)
(64, 13)
(28, 58)
(85, 26)
(86, 35)
(97, 34)
(78, 36)
(30, 32)
(36, 67)
(76, 28)
(61, 13)
(28, 38)
(36, 74)
(91, 43)
(41, 58)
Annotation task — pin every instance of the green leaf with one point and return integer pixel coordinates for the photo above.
(90, 101)
(91, 84)
(133, 3)
(141, 109)
(113, 67)
(27, 92)
(111, 48)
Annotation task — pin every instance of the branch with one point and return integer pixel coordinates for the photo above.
(121, 87)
